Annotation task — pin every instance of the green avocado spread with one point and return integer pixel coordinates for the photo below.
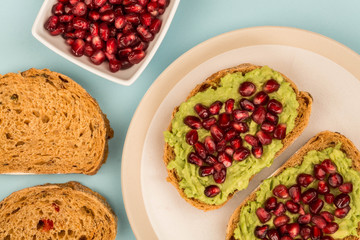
(347, 226)
(238, 175)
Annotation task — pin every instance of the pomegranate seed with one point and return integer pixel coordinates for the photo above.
(141, 46)
(58, 9)
(79, 9)
(270, 204)
(304, 179)
(316, 206)
(133, 18)
(229, 151)
(295, 193)
(323, 187)
(280, 131)
(229, 105)
(108, 16)
(263, 215)
(193, 122)
(305, 232)
(218, 166)
(316, 233)
(342, 200)
(153, 8)
(215, 107)
(271, 86)
(304, 219)
(231, 134)
(220, 146)
(104, 31)
(281, 220)
(118, 11)
(319, 172)
(335, 180)
(327, 216)
(301, 210)
(241, 154)
(52, 23)
(136, 56)
(247, 89)
(319, 221)
(261, 98)
(145, 19)
(346, 187)
(263, 137)
(106, 7)
(192, 137)
(252, 140)
(293, 229)
(206, 171)
(79, 33)
(125, 52)
(114, 65)
(292, 206)
(286, 237)
(225, 159)
(98, 57)
(143, 2)
(259, 114)
(224, 120)
(329, 166)
(125, 64)
(342, 212)
(279, 209)
(80, 23)
(78, 47)
(88, 50)
(329, 198)
(274, 106)
(111, 46)
(155, 26)
(219, 176)
(216, 133)
(236, 143)
(163, 3)
(273, 234)
(66, 18)
(200, 149)
(112, 57)
(195, 159)
(120, 22)
(272, 118)
(70, 41)
(211, 160)
(67, 8)
(133, 8)
(88, 38)
(207, 123)
(260, 231)
(309, 195)
(212, 191)
(240, 115)
(144, 33)
(97, 43)
(94, 29)
(240, 127)
(202, 111)
(209, 144)
(69, 35)
(94, 16)
(128, 2)
(59, 30)
(281, 191)
(331, 228)
(99, 3)
(247, 105)
(267, 127)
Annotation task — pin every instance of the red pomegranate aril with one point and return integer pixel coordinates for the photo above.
(133, 18)
(220, 146)
(230, 134)
(136, 56)
(108, 16)
(114, 65)
(342, 200)
(240, 127)
(271, 86)
(219, 176)
(79, 33)
(52, 23)
(94, 16)
(252, 140)
(193, 122)
(279, 209)
(295, 193)
(97, 43)
(111, 46)
(247, 89)
(125, 52)
(281, 191)
(281, 220)
(211, 160)
(144, 33)
(125, 64)
(224, 120)
(327, 216)
(88, 38)
(153, 8)
(58, 9)
(207, 123)
(217, 133)
(143, 2)
(59, 30)
(283, 231)
(319, 221)
(128, 2)
(133, 8)
(247, 105)
(240, 115)
(88, 50)
(316, 206)
(304, 219)
(206, 171)
(260, 231)
(264, 138)
(301, 210)
(236, 143)
(323, 187)
(241, 154)
(80, 23)
(309, 195)
(67, 8)
(305, 232)
(195, 159)
(202, 111)
(215, 107)
(292, 206)
(209, 144)
(211, 191)
(273, 234)
(225, 159)
(316, 233)
(70, 41)
(280, 131)
(335, 180)
(331, 228)
(69, 35)
(329, 198)
(94, 29)
(274, 106)
(304, 179)
(229, 105)
(229, 151)
(66, 18)
(259, 114)
(293, 229)
(267, 127)
(104, 31)
(111, 57)
(263, 215)
(98, 57)
(261, 98)
(79, 9)
(106, 7)
(141, 46)
(319, 172)
(270, 204)
(155, 26)
(346, 187)
(200, 149)
(145, 19)
(342, 212)
(329, 166)
(163, 3)
(192, 137)
(272, 118)
(286, 237)
(78, 47)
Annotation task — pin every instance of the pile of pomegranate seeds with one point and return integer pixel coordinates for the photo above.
(226, 123)
(311, 223)
(117, 31)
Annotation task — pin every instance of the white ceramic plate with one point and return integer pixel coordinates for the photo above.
(154, 207)
(124, 77)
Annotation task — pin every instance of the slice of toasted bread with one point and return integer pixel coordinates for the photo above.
(50, 124)
(57, 211)
(305, 102)
(319, 142)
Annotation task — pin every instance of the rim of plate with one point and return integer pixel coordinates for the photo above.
(135, 137)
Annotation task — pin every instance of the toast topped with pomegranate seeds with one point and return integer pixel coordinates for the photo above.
(229, 128)
(50, 124)
(57, 211)
(313, 195)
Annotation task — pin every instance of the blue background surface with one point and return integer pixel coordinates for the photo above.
(194, 22)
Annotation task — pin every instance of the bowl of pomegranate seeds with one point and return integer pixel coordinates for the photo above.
(114, 39)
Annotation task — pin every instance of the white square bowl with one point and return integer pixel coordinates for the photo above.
(124, 77)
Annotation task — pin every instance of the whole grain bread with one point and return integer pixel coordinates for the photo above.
(319, 142)
(57, 211)
(50, 124)
(305, 102)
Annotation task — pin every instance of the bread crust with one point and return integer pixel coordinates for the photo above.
(301, 121)
(63, 82)
(319, 142)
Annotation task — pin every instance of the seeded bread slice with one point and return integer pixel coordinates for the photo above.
(301, 121)
(319, 142)
(50, 124)
(57, 211)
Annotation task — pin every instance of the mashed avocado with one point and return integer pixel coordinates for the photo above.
(347, 226)
(238, 175)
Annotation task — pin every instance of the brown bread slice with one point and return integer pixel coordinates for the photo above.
(301, 121)
(50, 124)
(319, 142)
(76, 212)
